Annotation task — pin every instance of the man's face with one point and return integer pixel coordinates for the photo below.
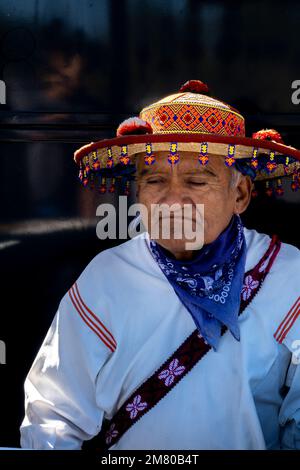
(189, 182)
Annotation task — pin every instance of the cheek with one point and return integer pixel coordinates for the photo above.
(148, 195)
(146, 198)
(215, 199)
(218, 210)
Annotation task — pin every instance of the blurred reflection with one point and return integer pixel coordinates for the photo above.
(63, 78)
(107, 55)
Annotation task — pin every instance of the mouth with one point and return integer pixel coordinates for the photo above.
(175, 218)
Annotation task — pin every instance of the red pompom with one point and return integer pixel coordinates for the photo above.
(268, 134)
(134, 125)
(195, 86)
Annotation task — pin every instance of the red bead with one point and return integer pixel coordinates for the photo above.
(102, 189)
(96, 165)
(271, 166)
(124, 160)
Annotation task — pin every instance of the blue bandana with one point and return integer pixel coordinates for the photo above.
(210, 285)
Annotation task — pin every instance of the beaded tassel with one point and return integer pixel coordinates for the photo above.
(102, 188)
(254, 161)
(92, 181)
(269, 189)
(127, 188)
(286, 165)
(271, 164)
(124, 159)
(149, 159)
(254, 192)
(110, 161)
(112, 187)
(203, 158)
(295, 182)
(230, 160)
(85, 180)
(80, 174)
(87, 167)
(279, 188)
(96, 163)
(173, 157)
(83, 175)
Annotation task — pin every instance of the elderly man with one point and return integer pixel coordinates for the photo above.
(157, 346)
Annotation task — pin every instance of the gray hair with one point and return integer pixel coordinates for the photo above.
(235, 177)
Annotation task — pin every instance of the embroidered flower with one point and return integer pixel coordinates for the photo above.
(249, 285)
(111, 434)
(136, 406)
(170, 373)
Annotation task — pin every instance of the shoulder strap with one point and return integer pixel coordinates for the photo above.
(254, 278)
(179, 363)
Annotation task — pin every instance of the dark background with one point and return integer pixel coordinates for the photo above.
(74, 69)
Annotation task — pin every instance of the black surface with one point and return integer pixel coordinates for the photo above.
(74, 69)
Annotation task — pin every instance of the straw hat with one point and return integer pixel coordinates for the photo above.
(188, 121)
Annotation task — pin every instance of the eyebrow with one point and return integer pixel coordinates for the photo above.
(150, 171)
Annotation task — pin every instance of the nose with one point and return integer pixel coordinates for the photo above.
(174, 193)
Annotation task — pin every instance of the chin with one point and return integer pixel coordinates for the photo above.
(176, 246)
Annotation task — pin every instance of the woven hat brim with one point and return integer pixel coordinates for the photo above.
(217, 145)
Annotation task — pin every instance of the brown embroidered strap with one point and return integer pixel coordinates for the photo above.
(180, 363)
(254, 278)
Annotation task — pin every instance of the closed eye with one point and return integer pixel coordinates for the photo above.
(154, 181)
(197, 183)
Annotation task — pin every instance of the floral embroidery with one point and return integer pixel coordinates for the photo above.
(249, 285)
(170, 373)
(111, 434)
(136, 406)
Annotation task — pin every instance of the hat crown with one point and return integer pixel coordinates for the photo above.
(187, 112)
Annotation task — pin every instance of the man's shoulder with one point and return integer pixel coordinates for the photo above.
(99, 291)
(124, 251)
(280, 291)
(288, 257)
(113, 261)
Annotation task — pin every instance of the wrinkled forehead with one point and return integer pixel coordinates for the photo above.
(188, 161)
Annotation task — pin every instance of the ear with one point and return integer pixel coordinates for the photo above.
(243, 194)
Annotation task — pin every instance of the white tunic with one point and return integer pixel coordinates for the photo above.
(118, 324)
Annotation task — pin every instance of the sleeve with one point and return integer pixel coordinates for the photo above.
(288, 334)
(289, 416)
(60, 389)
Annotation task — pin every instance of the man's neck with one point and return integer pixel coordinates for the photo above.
(186, 255)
